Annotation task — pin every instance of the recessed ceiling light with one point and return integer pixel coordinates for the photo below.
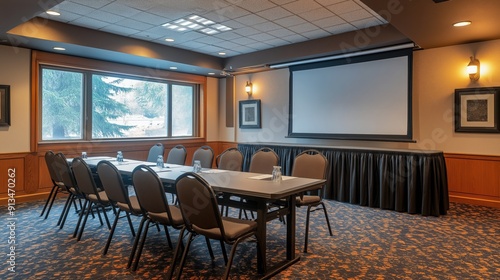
(59, 48)
(173, 68)
(169, 40)
(53, 13)
(197, 23)
(222, 53)
(462, 23)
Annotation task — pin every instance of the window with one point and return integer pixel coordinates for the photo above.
(88, 105)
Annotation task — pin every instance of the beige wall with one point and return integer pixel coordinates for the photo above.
(15, 71)
(436, 74)
(212, 109)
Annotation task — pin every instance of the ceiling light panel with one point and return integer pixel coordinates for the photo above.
(197, 23)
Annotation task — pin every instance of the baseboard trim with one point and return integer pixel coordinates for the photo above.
(475, 201)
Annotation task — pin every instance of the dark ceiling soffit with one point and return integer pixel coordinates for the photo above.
(39, 29)
(369, 38)
(15, 12)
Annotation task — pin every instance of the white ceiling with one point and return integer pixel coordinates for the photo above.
(256, 24)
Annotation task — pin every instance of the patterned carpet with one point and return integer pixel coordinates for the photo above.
(367, 244)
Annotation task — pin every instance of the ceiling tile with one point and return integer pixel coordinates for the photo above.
(317, 14)
(247, 31)
(294, 38)
(282, 2)
(228, 35)
(227, 13)
(329, 2)
(274, 13)
(261, 37)
(209, 40)
(266, 26)
(96, 4)
(344, 7)
(105, 16)
(121, 30)
(139, 5)
(314, 34)
(243, 41)
(365, 23)
(330, 21)
(277, 42)
(122, 10)
(341, 28)
(290, 21)
(280, 33)
(356, 15)
(254, 6)
(301, 6)
(74, 8)
(90, 23)
(301, 28)
(134, 24)
(250, 19)
(150, 18)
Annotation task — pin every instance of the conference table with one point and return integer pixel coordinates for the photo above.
(257, 191)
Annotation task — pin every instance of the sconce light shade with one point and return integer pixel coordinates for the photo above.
(473, 69)
(248, 88)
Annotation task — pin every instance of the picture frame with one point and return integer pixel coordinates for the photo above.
(249, 113)
(477, 110)
(4, 105)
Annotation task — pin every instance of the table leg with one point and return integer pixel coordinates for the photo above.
(261, 236)
(290, 229)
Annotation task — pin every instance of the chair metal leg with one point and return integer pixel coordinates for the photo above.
(141, 245)
(106, 216)
(327, 220)
(66, 205)
(90, 203)
(209, 246)
(52, 202)
(106, 247)
(136, 242)
(184, 254)
(231, 257)
(49, 199)
(168, 237)
(178, 248)
(80, 217)
(130, 223)
(307, 228)
(224, 253)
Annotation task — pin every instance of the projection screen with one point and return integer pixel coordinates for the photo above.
(365, 97)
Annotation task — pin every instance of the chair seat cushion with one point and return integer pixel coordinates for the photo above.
(136, 208)
(234, 228)
(307, 200)
(102, 196)
(162, 218)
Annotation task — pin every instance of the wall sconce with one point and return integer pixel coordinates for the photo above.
(473, 69)
(248, 88)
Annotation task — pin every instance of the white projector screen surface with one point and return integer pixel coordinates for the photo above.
(363, 99)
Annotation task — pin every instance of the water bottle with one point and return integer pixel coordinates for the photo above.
(276, 175)
(119, 157)
(159, 162)
(197, 166)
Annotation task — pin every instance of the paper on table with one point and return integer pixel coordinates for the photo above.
(213, 171)
(268, 177)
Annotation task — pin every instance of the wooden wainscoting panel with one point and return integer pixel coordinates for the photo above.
(12, 174)
(474, 179)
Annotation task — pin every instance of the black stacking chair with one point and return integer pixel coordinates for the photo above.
(311, 164)
(205, 219)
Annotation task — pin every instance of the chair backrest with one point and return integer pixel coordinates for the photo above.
(113, 183)
(65, 172)
(149, 191)
(263, 160)
(198, 205)
(84, 177)
(177, 155)
(155, 151)
(205, 154)
(310, 164)
(230, 159)
(54, 174)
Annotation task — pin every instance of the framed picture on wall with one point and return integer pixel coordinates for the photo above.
(4, 105)
(477, 110)
(250, 113)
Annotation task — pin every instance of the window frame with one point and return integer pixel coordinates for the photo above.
(42, 60)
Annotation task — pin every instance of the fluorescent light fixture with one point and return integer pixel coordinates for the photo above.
(53, 13)
(211, 73)
(209, 31)
(169, 40)
(59, 48)
(346, 55)
(197, 23)
(173, 68)
(222, 53)
(462, 23)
